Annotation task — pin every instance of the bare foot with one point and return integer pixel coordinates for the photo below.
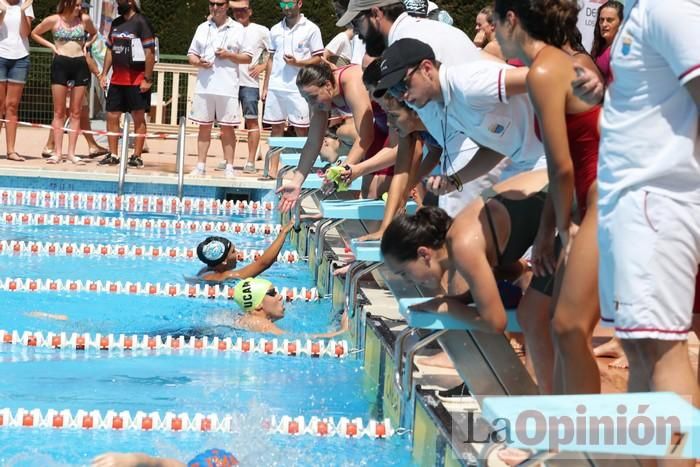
(611, 348)
(440, 360)
(620, 363)
(341, 271)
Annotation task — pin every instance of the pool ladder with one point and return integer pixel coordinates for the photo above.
(180, 155)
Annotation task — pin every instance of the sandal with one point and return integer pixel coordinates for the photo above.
(53, 160)
(75, 160)
(14, 156)
(98, 152)
(46, 153)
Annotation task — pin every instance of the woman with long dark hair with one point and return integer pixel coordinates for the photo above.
(535, 32)
(68, 68)
(610, 15)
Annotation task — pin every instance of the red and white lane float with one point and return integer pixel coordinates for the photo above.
(19, 248)
(149, 225)
(93, 201)
(121, 343)
(225, 292)
(183, 422)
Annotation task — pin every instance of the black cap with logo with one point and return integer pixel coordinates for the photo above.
(397, 59)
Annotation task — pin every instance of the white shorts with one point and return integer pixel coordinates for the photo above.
(210, 108)
(286, 107)
(649, 254)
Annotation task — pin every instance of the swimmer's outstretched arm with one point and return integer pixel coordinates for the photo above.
(268, 258)
(118, 459)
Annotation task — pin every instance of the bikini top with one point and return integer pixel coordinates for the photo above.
(66, 33)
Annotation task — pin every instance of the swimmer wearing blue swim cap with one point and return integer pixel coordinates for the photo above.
(210, 458)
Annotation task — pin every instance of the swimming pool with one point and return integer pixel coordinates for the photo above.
(253, 387)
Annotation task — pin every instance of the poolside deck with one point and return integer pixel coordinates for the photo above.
(159, 163)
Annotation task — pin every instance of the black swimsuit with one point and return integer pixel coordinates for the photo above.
(525, 215)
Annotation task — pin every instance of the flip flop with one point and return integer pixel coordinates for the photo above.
(98, 153)
(46, 153)
(16, 158)
(53, 160)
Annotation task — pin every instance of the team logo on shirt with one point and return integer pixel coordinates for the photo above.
(497, 128)
(626, 45)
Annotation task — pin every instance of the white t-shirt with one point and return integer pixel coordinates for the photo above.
(650, 122)
(475, 101)
(451, 47)
(12, 45)
(222, 78)
(340, 45)
(359, 50)
(301, 41)
(257, 37)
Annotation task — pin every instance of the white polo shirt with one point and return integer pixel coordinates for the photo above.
(451, 47)
(650, 122)
(222, 78)
(301, 41)
(359, 50)
(257, 37)
(341, 46)
(12, 45)
(475, 101)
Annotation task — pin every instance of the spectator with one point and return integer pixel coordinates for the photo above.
(294, 43)
(356, 43)
(485, 37)
(649, 185)
(217, 49)
(438, 14)
(15, 26)
(338, 51)
(416, 8)
(610, 16)
(257, 37)
(536, 32)
(131, 52)
(68, 68)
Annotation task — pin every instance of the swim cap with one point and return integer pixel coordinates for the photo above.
(217, 457)
(249, 293)
(214, 250)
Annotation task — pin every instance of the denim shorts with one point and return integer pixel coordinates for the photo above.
(14, 70)
(249, 98)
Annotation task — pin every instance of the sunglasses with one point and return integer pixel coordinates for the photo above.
(399, 89)
(271, 292)
(287, 5)
(213, 4)
(360, 16)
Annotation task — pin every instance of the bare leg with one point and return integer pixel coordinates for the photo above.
(59, 117)
(76, 106)
(139, 117)
(577, 311)
(276, 130)
(228, 143)
(203, 143)
(113, 127)
(85, 126)
(534, 318)
(639, 374)
(49, 146)
(253, 128)
(696, 330)
(12, 99)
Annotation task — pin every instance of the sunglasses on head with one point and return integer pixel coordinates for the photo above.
(213, 4)
(287, 5)
(271, 292)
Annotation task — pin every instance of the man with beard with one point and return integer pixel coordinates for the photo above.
(131, 54)
(295, 42)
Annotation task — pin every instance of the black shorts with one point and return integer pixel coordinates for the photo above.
(121, 98)
(70, 71)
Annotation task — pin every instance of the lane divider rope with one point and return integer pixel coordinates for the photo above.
(154, 135)
(94, 201)
(122, 342)
(84, 250)
(149, 224)
(182, 422)
(139, 288)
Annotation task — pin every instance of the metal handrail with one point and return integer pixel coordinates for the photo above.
(181, 139)
(266, 167)
(123, 153)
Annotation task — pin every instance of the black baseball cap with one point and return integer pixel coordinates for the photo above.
(399, 57)
(416, 7)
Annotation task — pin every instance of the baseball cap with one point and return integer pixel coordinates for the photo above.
(249, 293)
(355, 7)
(213, 250)
(416, 7)
(399, 57)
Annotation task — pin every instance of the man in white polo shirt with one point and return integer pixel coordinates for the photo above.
(217, 49)
(294, 42)
(258, 38)
(649, 192)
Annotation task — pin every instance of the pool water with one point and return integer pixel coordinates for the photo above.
(249, 386)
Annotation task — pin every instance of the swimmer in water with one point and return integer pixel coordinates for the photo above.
(263, 305)
(217, 457)
(220, 257)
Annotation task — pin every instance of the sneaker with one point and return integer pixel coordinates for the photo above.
(109, 159)
(249, 168)
(135, 161)
(229, 173)
(198, 172)
(220, 166)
